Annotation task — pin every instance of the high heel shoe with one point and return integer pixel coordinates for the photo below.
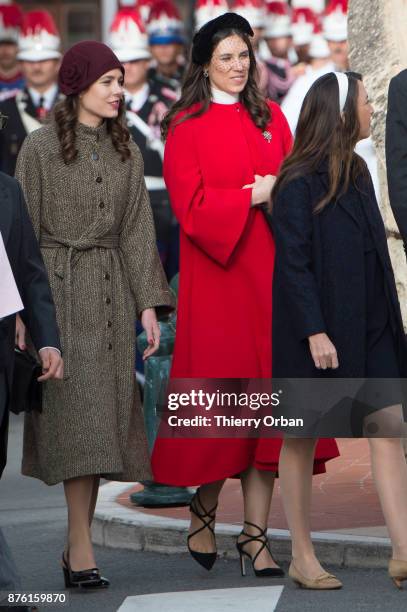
(84, 579)
(262, 538)
(322, 582)
(398, 572)
(207, 560)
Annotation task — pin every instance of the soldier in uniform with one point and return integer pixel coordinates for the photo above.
(147, 102)
(278, 37)
(166, 39)
(11, 78)
(335, 27)
(39, 55)
(304, 26)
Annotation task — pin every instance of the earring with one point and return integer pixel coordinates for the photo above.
(206, 74)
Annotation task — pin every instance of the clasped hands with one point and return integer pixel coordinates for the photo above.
(261, 187)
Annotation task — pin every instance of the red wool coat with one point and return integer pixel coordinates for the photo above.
(225, 290)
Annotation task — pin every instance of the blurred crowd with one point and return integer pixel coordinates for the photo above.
(295, 43)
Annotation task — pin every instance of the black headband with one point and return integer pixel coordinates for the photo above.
(201, 44)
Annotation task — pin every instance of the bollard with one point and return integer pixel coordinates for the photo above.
(157, 372)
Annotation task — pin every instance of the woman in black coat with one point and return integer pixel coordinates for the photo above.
(335, 307)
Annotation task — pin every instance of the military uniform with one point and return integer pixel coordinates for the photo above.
(173, 82)
(165, 27)
(10, 86)
(38, 41)
(23, 118)
(145, 111)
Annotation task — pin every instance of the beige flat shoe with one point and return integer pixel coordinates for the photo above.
(398, 572)
(323, 582)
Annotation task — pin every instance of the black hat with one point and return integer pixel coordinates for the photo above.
(201, 43)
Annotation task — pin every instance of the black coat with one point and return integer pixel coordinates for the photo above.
(319, 278)
(396, 150)
(32, 282)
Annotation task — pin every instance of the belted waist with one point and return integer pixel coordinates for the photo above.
(111, 241)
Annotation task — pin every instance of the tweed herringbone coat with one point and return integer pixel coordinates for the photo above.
(95, 227)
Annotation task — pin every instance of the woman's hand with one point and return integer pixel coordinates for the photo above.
(323, 352)
(52, 364)
(152, 329)
(20, 334)
(261, 187)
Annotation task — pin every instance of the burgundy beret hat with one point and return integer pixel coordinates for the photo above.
(85, 63)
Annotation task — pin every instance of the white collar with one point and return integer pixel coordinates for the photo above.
(138, 99)
(222, 97)
(48, 96)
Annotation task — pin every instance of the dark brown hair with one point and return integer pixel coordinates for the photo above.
(196, 89)
(325, 135)
(66, 119)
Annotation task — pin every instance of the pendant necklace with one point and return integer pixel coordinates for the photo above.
(267, 136)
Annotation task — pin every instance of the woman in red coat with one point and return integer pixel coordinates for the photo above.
(224, 146)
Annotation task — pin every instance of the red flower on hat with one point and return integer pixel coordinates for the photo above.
(72, 75)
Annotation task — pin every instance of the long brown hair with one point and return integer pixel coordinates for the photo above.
(324, 134)
(66, 119)
(196, 89)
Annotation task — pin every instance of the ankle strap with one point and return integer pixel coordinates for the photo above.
(205, 513)
(261, 538)
(203, 516)
(262, 532)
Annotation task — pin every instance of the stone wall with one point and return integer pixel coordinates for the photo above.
(378, 50)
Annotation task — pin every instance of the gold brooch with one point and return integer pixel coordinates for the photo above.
(267, 135)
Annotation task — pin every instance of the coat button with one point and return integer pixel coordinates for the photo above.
(107, 300)
(95, 156)
(109, 324)
(98, 179)
(107, 276)
(101, 205)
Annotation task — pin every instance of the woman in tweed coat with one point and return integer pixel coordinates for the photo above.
(83, 180)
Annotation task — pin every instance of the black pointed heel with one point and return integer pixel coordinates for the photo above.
(85, 579)
(262, 538)
(207, 560)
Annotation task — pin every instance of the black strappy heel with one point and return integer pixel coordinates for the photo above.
(207, 560)
(262, 538)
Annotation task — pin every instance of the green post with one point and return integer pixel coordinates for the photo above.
(157, 371)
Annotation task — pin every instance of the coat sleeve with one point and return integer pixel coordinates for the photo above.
(138, 246)
(213, 218)
(39, 311)
(293, 233)
(396, 150)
